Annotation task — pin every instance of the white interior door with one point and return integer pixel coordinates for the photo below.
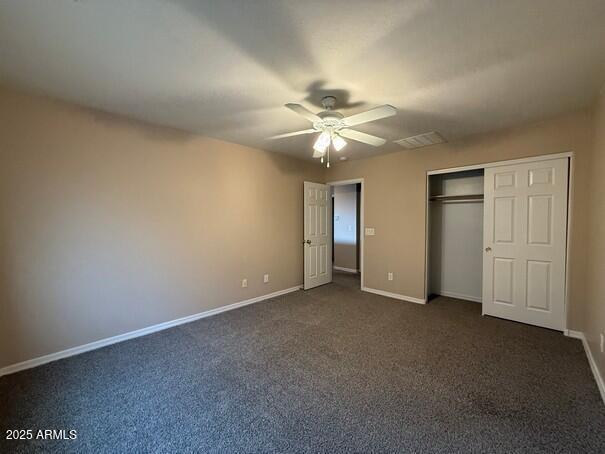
(318, 234)
(525, 225)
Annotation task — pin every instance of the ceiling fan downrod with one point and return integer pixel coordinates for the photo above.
(328, 102)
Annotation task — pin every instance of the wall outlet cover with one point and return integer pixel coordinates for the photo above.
(266, 278)
(602, 342)
(244, 283)
(390, 276)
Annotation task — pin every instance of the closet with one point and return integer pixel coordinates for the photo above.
(455, 217)
(498, 235)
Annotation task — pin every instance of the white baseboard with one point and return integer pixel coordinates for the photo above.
(593, 365)
(347, 270)
(476, 299)
(137, 333)
(574, 334)
(397, 296)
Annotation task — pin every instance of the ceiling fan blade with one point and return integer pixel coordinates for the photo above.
(292, 134)
(370, 115)
(362, 137)
(303, 111)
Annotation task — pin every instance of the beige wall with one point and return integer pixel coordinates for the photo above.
(594, 323)
(395, 186)
(108, 225)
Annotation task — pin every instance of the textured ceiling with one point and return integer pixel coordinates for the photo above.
(225, 68)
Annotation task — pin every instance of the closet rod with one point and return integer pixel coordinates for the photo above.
(459, 201)
(457, 198)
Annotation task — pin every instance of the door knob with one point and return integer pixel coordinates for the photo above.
(488, 249)
(306, 242)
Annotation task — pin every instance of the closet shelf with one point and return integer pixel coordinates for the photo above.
(457, 198)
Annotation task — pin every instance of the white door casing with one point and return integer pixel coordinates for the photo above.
(525, 228)
(318, 234)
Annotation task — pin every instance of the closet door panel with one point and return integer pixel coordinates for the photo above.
(504, 220)
(524, 242)
(503, 281)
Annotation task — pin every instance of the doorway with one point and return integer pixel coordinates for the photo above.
(347, 230)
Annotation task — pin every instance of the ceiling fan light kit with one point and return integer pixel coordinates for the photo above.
(338, 142)
(322, 142)
(333, 127)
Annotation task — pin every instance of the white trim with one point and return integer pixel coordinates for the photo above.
(475, 299)
(570, 197)
(361, 220)
(574, 334)
(427, 233)
(397, 296)
(346, 270)
(545, 157)
(593, 365)
(345, 182)
(137, 333)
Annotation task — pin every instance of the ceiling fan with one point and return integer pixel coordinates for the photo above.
(333, 126)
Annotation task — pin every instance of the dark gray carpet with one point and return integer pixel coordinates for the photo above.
(328, 370)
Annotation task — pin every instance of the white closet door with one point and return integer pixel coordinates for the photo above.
(525, 224)
(318, 234)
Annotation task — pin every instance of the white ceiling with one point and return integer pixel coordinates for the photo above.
(225, 68)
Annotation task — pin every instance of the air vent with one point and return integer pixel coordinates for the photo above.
(421, 140)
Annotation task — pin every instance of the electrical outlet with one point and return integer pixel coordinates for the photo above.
(602, 342)
(244, 283)
(266, 278)
(390, 276)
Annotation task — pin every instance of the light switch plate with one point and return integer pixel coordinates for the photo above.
(370, 231)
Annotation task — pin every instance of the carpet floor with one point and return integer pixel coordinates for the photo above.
(332, 369)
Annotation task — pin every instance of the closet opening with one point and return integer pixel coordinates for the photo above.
(455, 235)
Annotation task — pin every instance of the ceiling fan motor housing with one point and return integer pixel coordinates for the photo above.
(329, 119)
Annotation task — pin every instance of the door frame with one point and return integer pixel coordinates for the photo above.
(545, 157)
(361, 218)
